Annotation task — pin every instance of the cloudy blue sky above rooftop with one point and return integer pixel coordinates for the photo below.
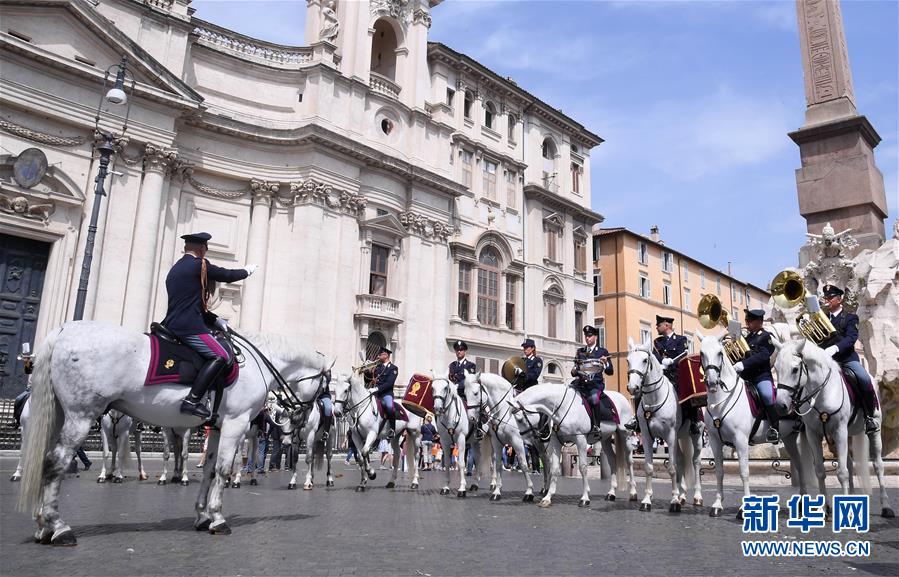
(694, 100)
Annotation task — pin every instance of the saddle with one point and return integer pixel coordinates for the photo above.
(401, 414)
(607, 410)
(173, 362)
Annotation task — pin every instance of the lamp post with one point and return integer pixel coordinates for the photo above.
(116, 96)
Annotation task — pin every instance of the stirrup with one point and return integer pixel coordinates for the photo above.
(196, 408)
(773, 436)
(632, 425)
(871, 426)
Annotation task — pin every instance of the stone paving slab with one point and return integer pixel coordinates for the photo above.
(139, 528)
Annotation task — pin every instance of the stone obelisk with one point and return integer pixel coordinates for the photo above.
(838, 181)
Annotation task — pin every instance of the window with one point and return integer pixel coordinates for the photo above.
(645, 334)
(373, 345)
(644, 287)
(469, 100)
(467, 161)
(510, 302)
(701, 278)
(551, 313)
(489, 114)
(488, 287)
(718, 285)
(578, 326)
(511, 188)
(733, 313)
(386, 126)
(667, 261)
(553, 299)
(686, 268)
(464, 289)
(666, 293)
(580, 255)
(601, 329)
(552, 369)
(748, 299)
(686, 299)
(377, 280)
(450, 95)
(597, 284)
(733, 294)
(512, 122)
(596, 249)
(642, 253)
(575, 178)
(490, 179)
(551, 235)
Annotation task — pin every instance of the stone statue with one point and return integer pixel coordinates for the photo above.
(330, 25)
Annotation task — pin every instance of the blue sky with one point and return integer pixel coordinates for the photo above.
(694, 100)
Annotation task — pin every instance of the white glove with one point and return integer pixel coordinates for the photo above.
(518, 370)
(667, 362)
(250, 268)
(832, 350)
(738, 367)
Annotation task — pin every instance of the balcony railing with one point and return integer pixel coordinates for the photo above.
(384, 85)
(378, 306)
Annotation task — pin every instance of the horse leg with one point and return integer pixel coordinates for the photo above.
(138, 451)
(673, 463)
(581, 443)
(792, 447)
(212, 451)
(841, 439)
(329, 452)
(51, 528)
(463, 463)
(697, 465)
(741, 444)
(105, 435)
(182, 444)
(366, 468)
(412, 452)
(875, 450)
(231, 433)
(646, 503)
(555, 468)
(518, 446)
(496, 487)
(310, 460)
(629, 455)
(718, 453)
(123, 447)
(166, 441)
(813, 445)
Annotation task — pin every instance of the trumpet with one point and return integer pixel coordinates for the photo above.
(712, 314)
(365, 366)
(788, 291)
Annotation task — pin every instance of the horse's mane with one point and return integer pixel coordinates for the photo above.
(494, 377)
(289, 349)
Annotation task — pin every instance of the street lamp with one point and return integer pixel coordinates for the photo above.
(115, 92)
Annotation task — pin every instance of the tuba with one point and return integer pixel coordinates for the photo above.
(712, 314)
(788, 291)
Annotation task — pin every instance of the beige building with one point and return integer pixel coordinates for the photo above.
(637, 277)
(394, 191)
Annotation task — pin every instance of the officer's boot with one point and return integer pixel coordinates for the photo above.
(193, 404)
(633, 425)
(326, 426)
(773, 435)
(594, 421)
(391, 419)
(693, 415)
(869, 404)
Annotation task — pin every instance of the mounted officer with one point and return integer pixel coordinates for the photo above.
(841, 346)
(383, 378)
(461, 366)
(755, 368)
(533, 366)
(590, 363)
(186, 285)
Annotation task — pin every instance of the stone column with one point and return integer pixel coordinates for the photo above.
(142, 265)
(839, 181)
(257, 250)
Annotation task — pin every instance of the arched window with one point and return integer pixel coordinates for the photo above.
(488, 287)
(489, 114)
(376, 340)
(553, 300)
(383, 50)
(550, 182)
(552, 369)
(512, 122)
(469, 100)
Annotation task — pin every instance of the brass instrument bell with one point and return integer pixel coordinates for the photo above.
(712, 314)
(789, 291)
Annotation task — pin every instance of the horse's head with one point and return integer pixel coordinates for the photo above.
(341, 385)
(441, 391)
(639, 364)
(792, 369)
(712, 359)
(473, 391)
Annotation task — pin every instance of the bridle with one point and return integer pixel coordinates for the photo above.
(796, 398)
(651, 409)
(444, 405)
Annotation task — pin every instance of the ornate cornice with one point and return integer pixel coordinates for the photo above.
(158, 158)
(20, 206)
(425, 226)
(421, 15)
(310, 191)
(399, 9)
(40, 137)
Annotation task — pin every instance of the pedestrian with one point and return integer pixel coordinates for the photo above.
(385, 450)
(202, 461)
(428, 432)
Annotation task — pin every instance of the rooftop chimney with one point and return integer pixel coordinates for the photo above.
(654, 233)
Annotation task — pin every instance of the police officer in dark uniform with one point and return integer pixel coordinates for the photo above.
(533, 364)
(461, 366)
(384, 377)
(755, 368)
(841, 346)
(591, 384)
(186, 285)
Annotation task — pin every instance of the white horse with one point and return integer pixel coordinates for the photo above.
(306, 426)
(571, 423)
(352, 399)
(115, 436)
(454, 427)
(23, 424)
(175, 441)
(84, 367)
(729, 421)
(811, 383)
(660, 416)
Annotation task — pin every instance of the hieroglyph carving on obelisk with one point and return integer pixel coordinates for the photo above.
(826, 60)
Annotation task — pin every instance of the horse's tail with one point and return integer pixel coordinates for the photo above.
(806, 462)
(686, 451)
(860, 459)
(318, 455)
(43, 426)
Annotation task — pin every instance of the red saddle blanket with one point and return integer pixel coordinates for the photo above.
(607, 409)
(401, 414)
(174, 363)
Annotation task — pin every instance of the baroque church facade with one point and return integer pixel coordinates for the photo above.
(394, 191)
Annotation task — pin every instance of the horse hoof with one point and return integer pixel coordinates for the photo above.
(412, 486)
(715, 512)
(461, 494)
(444, 491)
(142, 477)
(645, 507)
(674, 508)
(544, 504)
(14, 479)
(529, 498)
(291, 486)
(253, 482)
(186, 483)
(203, 525)
(118, 480)
(235, 485)
(101, 479)
(493, 487)
(220, 529)
(159, 482)
(697, 502)
(495, 497)
(610, 497)
(360, 489)
(543, 492)
(64, 539)
(633, 498)
(372, 475)
(683, 500)
(887, 513)
(390, 485)
(307, 487)
(583, 503)
(473, 488)
(740, 514)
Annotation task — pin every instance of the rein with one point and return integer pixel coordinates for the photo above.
(811, 398)
(650, 410)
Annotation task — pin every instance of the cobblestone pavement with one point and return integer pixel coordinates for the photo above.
(139, 528)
